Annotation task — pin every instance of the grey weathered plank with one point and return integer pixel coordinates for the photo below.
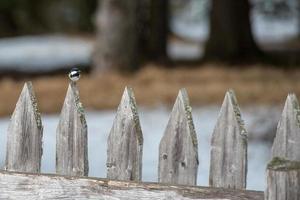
(283, 172)
(178, 149)
(283, 180)
(228, 164)
(71, 136)
(125, 142)
(24, 135)
(32, 186)
(287, 141)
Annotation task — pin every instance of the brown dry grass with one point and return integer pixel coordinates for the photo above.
(153, 85)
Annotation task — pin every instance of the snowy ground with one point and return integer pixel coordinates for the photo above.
(44, 53)
(153, 123)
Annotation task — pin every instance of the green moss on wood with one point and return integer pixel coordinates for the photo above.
(281, 164)
(136, 119)
(296, 107)
(238, 116)
(188, 113)
(79, 106)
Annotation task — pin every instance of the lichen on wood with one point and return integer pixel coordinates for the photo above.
(281, 164)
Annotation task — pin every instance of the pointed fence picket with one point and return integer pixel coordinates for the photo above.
(178, 149)
(125, 142)
(71, 137)
(228, 160)
(283, 171)
(178, 155)
(24, 136)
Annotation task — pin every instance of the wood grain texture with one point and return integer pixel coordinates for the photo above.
(178, 149)
(283, 180)
(71, 137)
(228, 164)
(287, 141)
(24, 135)
(33, 186)
(283, 172)
(125, 142)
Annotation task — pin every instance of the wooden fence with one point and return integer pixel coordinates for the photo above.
(178, 155)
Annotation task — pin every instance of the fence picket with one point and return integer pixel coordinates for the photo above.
(125, 142)
(287, 141)
(283, 172)
(24, 135)
(228, 162)
(178, 149)
(71, 137)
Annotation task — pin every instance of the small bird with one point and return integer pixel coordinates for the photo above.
(74, 74)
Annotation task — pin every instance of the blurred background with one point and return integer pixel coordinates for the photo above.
(157, 47)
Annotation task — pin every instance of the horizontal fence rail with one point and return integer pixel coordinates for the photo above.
(15, 185)
(178, 154)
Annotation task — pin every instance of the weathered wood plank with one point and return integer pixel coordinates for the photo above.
(283, 172)
(24, 135)
(287, 141)
(283, 179)
(71, 136)
(178, 149)
(32, 186)
(125, 142)
(228, 164)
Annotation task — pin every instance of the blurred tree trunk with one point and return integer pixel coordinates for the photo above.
(117, 38)
(230, 31)
(154, 29)
(298, 16)
(160, 29)
(129, 32)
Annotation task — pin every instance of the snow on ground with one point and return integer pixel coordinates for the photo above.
(153, 122)
(273, 30)
(44, 53)
(184, 50)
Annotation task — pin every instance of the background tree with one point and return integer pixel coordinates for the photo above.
(129, 32)
(117, 38)
(154, 30)
(230, 35)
